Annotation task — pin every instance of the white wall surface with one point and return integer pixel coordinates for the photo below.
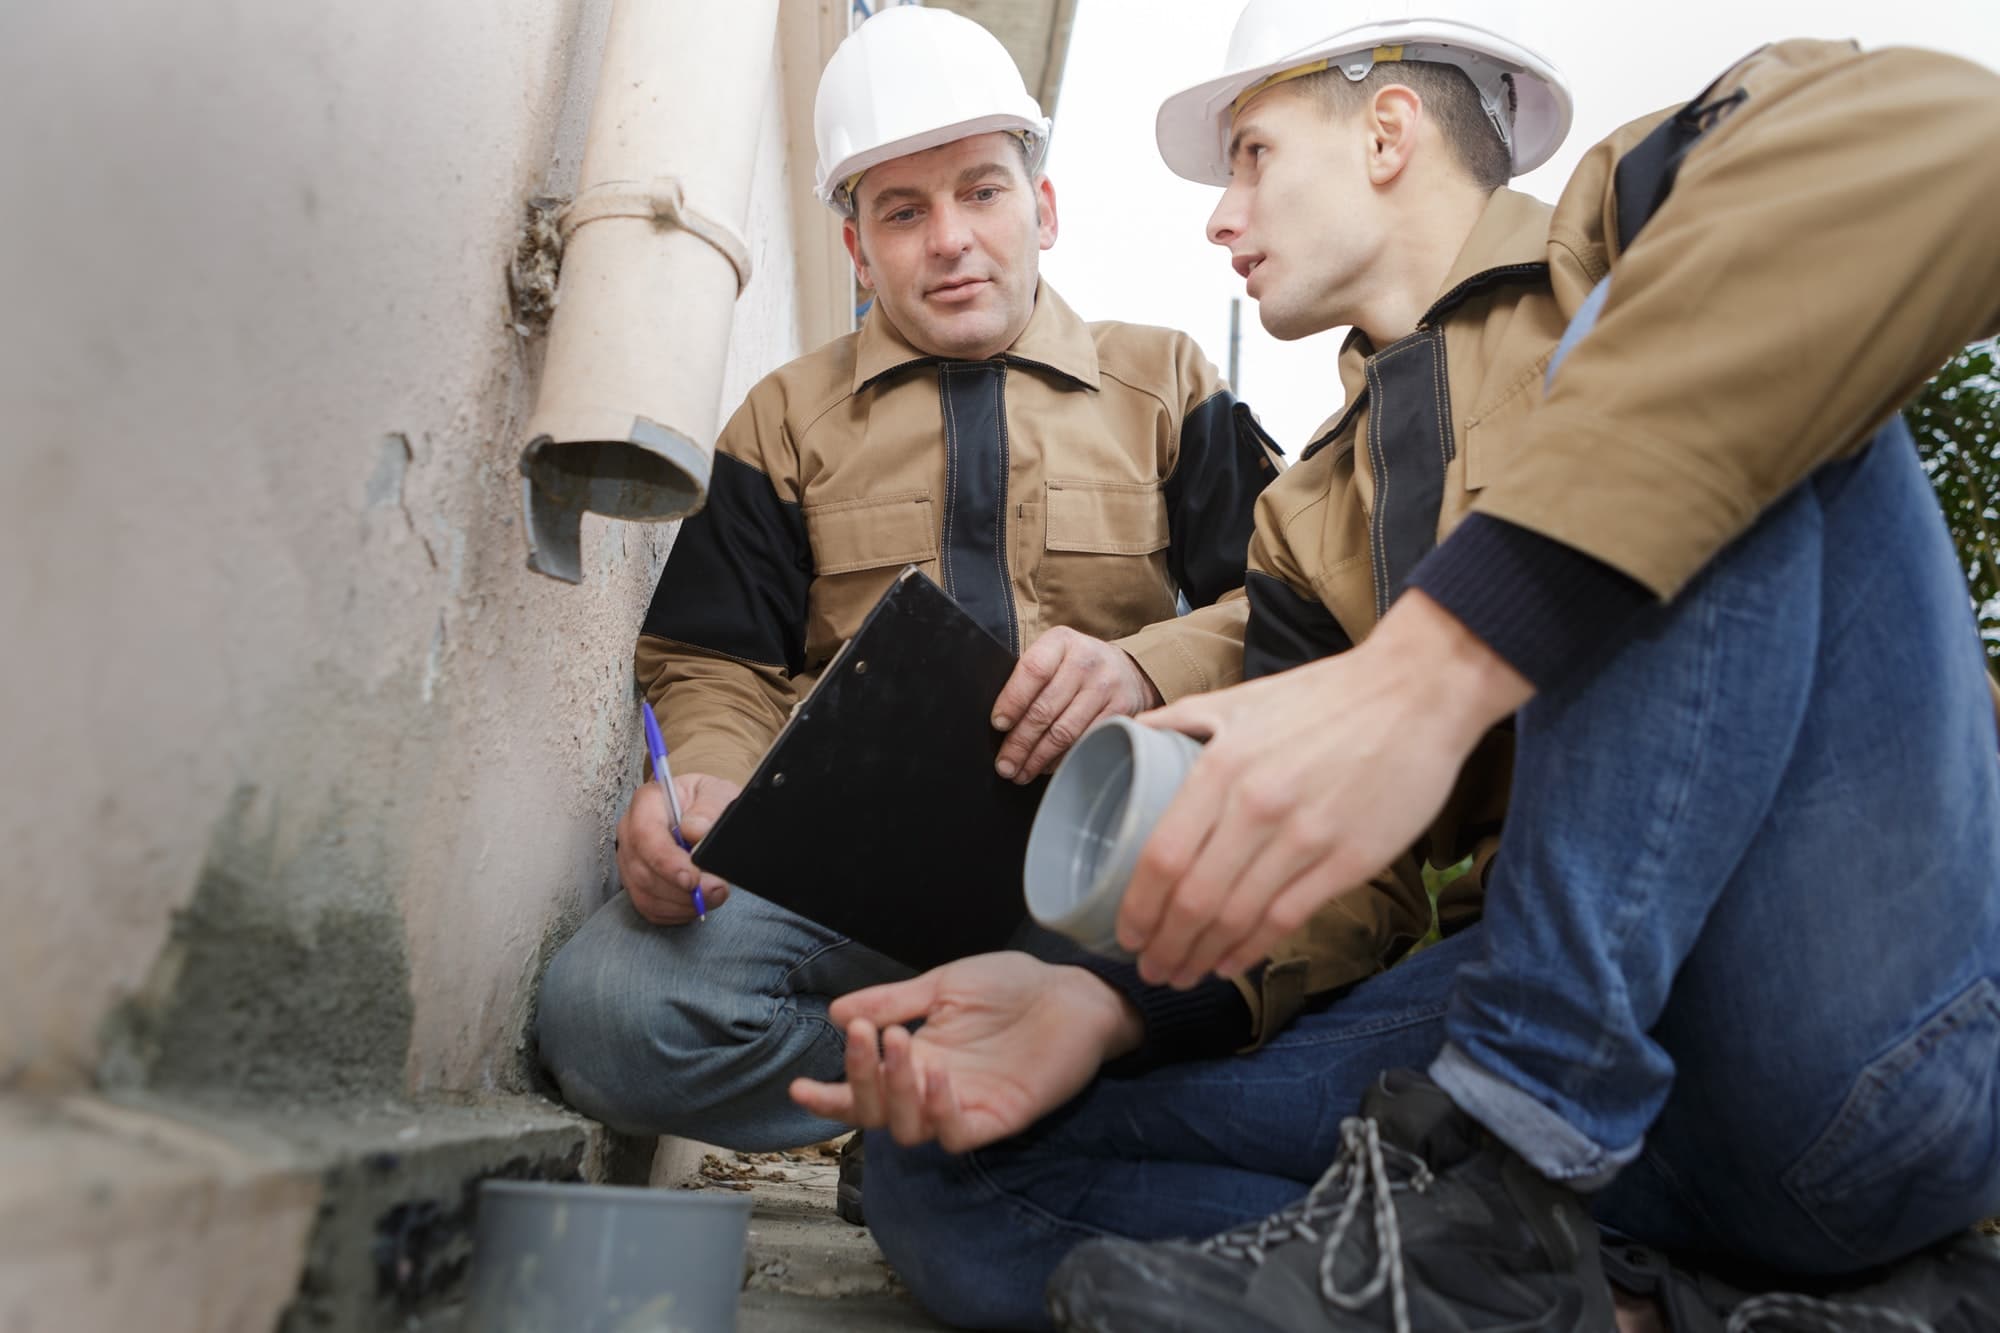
(248, 249)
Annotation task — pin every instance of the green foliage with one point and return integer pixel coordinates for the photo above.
(1956, 420)
(1435, 881)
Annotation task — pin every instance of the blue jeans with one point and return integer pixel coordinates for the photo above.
(1742, 939)
(1743, 933)
(697, 1030)
(1181, 1151)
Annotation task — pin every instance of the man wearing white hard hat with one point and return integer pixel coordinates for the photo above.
(1616, 574)
(1066, 482)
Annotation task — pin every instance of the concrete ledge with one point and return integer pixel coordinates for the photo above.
(335, 1219)
(392, 1244)
(351, 1219)
(115, 1219)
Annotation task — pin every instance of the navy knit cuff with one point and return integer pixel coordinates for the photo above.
(1548, 609)
(1210, 1019)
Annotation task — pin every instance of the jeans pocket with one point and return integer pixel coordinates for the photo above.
(1914, 1151)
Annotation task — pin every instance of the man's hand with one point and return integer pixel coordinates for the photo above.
(659, 875)
(1312, 781)
(1062, 684)
(1006, 1039)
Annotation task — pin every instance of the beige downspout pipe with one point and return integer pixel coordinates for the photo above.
(653, 261)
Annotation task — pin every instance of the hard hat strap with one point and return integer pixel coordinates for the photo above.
(1490, 77)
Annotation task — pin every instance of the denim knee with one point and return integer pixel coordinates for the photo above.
(589, 1037)
(935, 1219)
(699, 1030)
(626, 1046)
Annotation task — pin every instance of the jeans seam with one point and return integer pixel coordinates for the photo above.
(786, 1012)
(1359, 1031)
(1649, 862)
(825, 948)
(1849, 1122)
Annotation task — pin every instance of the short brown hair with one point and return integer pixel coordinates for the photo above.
(1449, 99)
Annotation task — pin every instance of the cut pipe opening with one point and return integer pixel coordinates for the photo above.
(617, 478)
(653, 475)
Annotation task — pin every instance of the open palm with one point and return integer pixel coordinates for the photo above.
(1005, 1040)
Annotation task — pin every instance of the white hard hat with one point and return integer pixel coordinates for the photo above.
(1277, 38)
(913, 78)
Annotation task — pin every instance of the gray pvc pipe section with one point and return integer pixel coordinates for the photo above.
(551, 1258)
(1102, 803)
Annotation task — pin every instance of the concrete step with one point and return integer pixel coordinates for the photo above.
(118, 1216)
(354, 1218)
(115, 1219)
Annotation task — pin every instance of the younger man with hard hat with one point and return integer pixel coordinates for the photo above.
(1619, 485)
(1065, 482)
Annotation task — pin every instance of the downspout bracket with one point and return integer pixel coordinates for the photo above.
(663, 201)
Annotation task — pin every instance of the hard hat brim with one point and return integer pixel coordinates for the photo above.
(828, 186)
(1193, 126)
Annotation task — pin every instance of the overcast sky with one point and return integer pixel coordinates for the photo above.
(1132, 248)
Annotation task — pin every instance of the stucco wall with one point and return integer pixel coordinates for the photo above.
(303, 769)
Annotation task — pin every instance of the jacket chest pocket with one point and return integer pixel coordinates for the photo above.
(858, 548)
(1103, 568)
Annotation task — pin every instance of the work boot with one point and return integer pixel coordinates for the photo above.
(1951, 1287)
(847, 1198)
(1423, 1222)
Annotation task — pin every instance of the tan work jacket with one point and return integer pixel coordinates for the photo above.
(1829, 240)
(1088, 477)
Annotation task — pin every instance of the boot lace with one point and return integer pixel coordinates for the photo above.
(1359, 1174)
(1791, 1312)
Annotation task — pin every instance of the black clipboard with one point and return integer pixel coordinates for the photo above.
(876, 812)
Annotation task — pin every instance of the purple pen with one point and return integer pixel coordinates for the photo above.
(656, 746)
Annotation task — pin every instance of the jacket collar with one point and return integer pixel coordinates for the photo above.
(1512, 233)
(1510, 238)
(1055, 338)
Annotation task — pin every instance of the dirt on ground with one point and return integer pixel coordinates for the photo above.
(739, 1170)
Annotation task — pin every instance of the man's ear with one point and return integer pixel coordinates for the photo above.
(1391, 119)
(850, 232)
(1045, 209)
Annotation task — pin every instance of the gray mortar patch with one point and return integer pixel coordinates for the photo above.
(285, 980)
